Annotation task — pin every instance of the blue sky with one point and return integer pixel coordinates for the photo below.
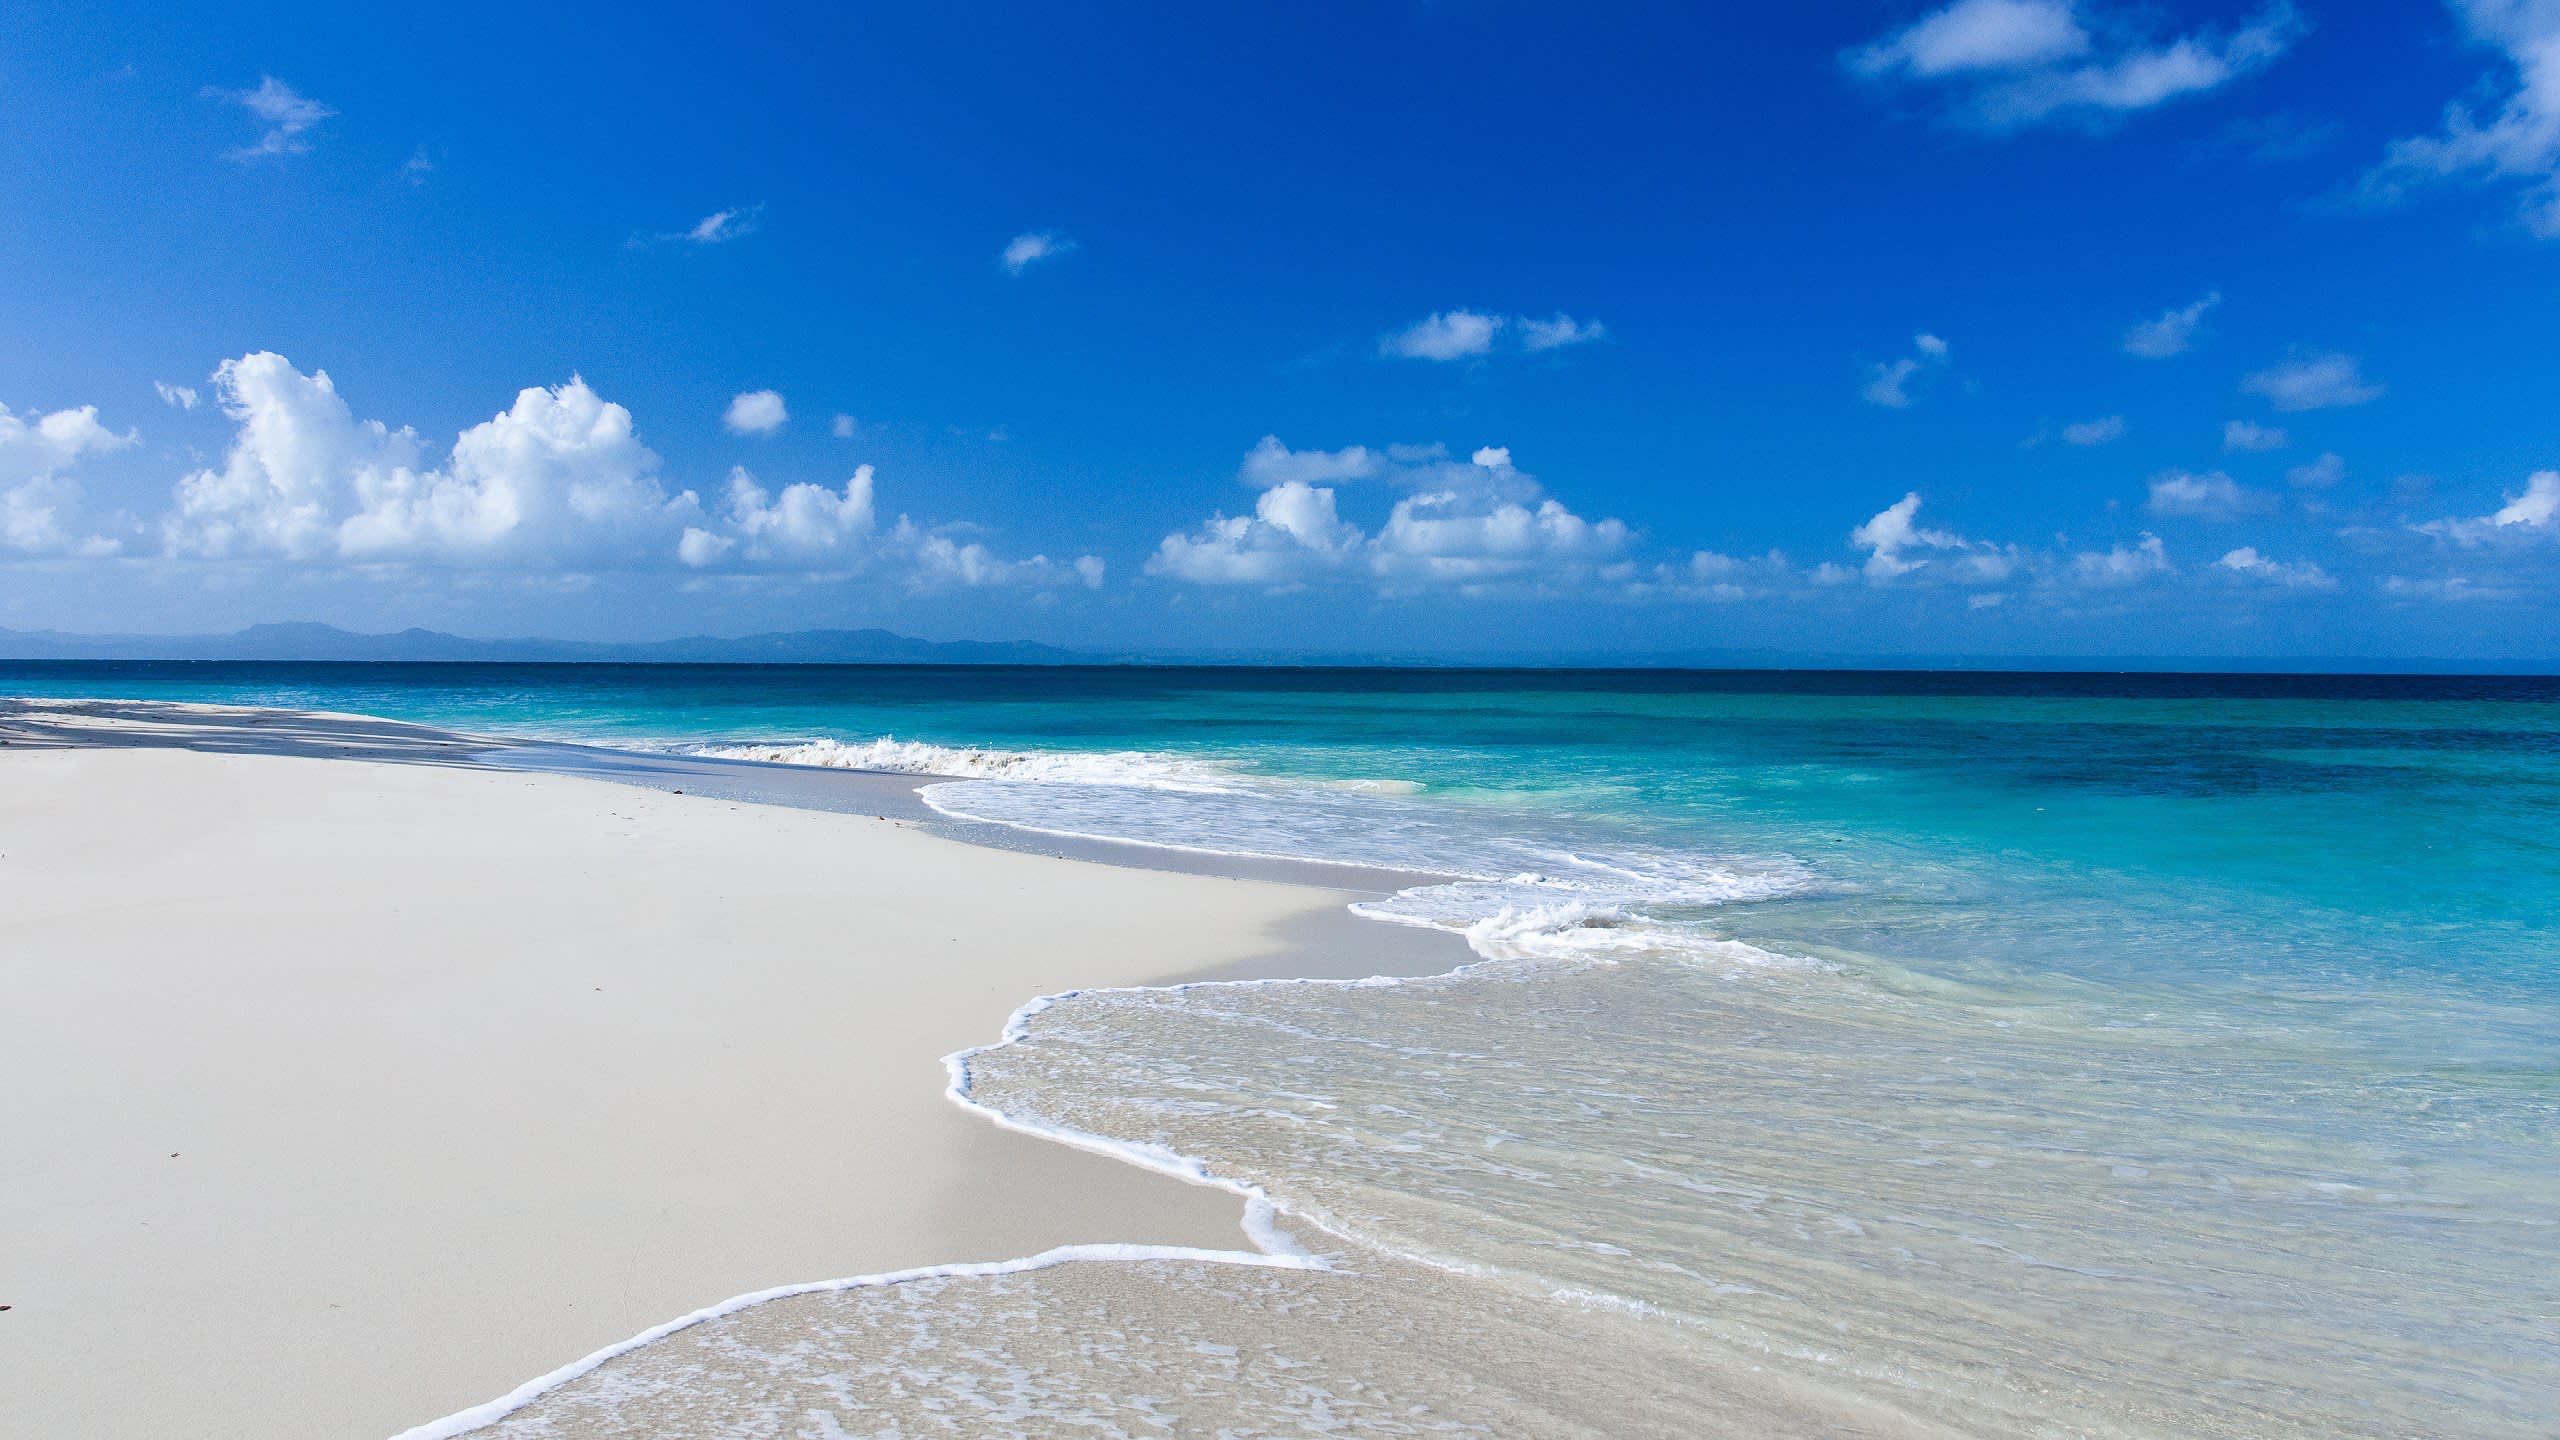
(2009, 326)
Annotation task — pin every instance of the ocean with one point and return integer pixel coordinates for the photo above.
(1853, 1052)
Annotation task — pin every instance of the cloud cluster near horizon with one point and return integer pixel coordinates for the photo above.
(559, 482)
(560, 485)
(39, 502)
(1472, 525)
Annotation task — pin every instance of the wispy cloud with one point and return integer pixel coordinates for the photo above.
(2171, 332)
(2300, 575)
(288, 116)
(1446, 335)
(2518, 143)
(1560, 331)
(2122, 564)
(2321, 474)
(717, 228)
(721, 226)
(1030, 248)
(1471, 335)
(2006, 65)
(2249, 435)
(2312, 380)
(2210, 496)
(1903, 552)
(1890, 383)
(2105, 430)
(2531, 514)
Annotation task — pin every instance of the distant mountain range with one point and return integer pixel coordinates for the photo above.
(328, 642)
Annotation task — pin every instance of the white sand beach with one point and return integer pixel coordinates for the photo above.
(351, 1081)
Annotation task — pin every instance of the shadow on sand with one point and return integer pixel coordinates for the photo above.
(27, 724)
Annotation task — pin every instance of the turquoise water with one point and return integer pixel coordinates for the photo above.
(2113, 1054)
(2346, 826)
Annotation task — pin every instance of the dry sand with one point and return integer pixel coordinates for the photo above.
(350, 1080)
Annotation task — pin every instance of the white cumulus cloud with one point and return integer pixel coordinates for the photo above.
(557, 482)
(2105, 430)
(1295, 530)
(1897, 544)
(559, 474)
(39, 503)
(755, 412)
(296, 459)
(805, 525)
(1463, 525)
(1448, 536)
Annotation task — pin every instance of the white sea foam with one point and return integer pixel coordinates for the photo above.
(1567, 897)
(1564, 896)
(918, 757)
(462, 1422)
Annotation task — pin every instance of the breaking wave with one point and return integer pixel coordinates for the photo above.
(918, 757)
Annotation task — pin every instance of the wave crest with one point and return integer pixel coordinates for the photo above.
(971, 762)
(1596, 898)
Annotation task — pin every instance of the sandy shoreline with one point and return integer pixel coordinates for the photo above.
(348, 1095)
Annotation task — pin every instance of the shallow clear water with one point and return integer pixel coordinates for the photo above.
(2021, 1054)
